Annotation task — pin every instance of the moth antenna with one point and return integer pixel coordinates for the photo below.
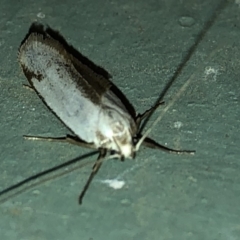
(177, 96)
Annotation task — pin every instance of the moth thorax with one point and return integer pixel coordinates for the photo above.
(115, 132)
(123, 140)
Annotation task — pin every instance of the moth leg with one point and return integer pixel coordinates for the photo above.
(68, 139)
(148, 142)
(95, 169)
(148, 112)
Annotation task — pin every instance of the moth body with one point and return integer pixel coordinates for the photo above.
(86, 105)
(85, 102)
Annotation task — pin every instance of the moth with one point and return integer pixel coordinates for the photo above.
(84, 101)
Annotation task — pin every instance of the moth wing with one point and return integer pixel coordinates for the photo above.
(99, 83)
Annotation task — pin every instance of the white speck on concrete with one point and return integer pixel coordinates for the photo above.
(114, 183)
(211, 71)
(41, 15)
(178, 124)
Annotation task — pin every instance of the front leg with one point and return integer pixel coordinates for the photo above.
(146, 114)
(95, 169)
(148, 142)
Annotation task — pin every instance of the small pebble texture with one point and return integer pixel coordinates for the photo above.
(144, 45)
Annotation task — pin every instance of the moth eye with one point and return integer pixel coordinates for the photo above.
(135, 140)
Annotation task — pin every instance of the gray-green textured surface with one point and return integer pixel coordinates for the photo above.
(141, 43)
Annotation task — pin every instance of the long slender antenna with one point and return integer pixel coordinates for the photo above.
(177, 96)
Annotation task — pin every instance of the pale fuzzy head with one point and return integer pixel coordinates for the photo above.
(116, 133)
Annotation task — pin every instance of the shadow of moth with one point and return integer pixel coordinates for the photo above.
(83, 101)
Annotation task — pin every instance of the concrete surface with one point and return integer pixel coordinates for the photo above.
(141, 44)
